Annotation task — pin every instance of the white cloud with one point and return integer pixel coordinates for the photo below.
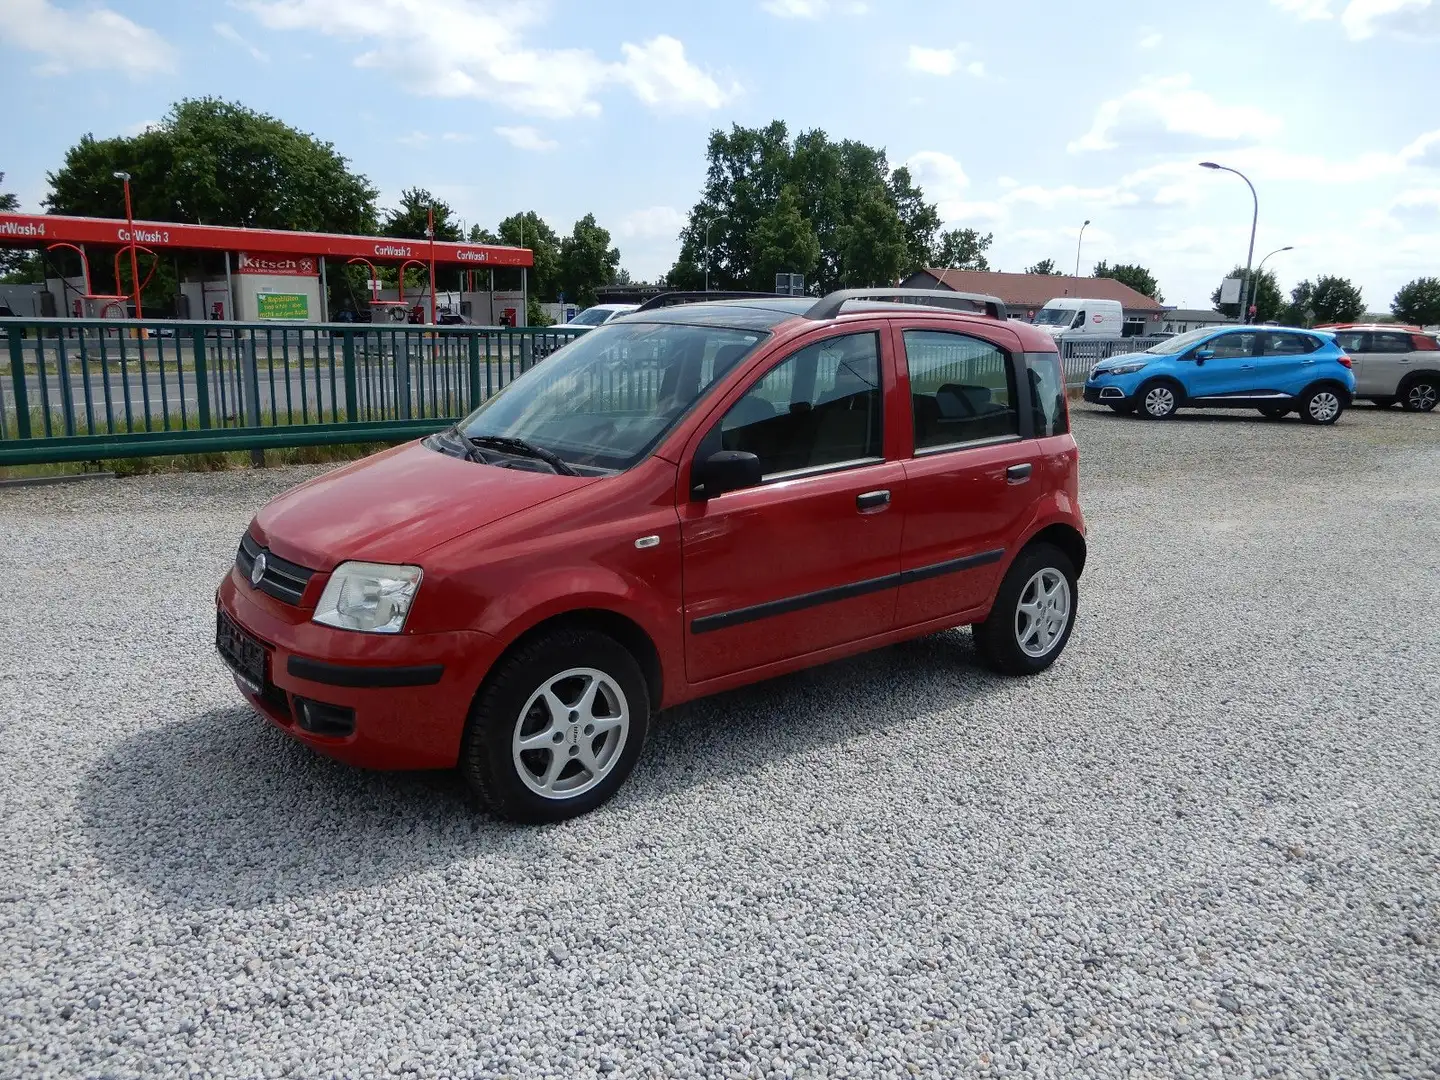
(932, 61)
(526, 138)
(230, 34)
(476, 49)
(1151, 40)
(976, 68)
(1363, 19)
(1168, 111)
(457, 137)
(811, 9)
(938, 173)
(652, 223)
(92, 38)
(415, 138)
(660, 76)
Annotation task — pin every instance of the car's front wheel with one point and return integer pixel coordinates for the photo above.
(1421, 394)
(1033, 614)
(557, 727)
(1159, 400)
(1321, 405)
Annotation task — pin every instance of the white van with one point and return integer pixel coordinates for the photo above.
(1075, 316)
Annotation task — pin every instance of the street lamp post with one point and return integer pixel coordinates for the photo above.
(1260, 270)
(707, 254)
(130, 226)
(1078, 241)
(1254, 220)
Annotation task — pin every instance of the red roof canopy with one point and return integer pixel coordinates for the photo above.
(41, 230)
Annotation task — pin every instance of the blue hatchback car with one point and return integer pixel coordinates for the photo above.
(1276, 370)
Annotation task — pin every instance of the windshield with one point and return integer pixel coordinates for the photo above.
(604, 400)
(591, 317)
(1180, 342)
(1054, 316)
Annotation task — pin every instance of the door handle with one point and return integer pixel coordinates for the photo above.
(1307, 361)
(1018, 474)
(872, 500)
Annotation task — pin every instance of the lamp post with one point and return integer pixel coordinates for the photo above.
(130, 226)
(707, 254)
(1254, 220)
(1260, 270)
(1078, 241)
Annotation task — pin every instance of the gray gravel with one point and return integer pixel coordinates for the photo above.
(1204, 844)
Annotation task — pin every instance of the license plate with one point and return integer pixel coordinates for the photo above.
(246, 656)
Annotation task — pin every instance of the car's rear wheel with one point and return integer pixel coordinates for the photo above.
(1420, 393)
(1159, 399)
(557, 727)
(1274, 412)
(1124, 408)
(1321, 405)
(1033, 614)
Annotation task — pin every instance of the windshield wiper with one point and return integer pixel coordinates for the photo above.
(521, 446)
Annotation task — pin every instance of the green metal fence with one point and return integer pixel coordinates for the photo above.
(85, 389)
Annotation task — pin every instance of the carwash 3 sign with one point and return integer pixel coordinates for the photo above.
(38, 230)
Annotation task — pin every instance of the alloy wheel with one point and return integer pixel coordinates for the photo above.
(1160, 401)
(1324, 406)
(1043, 612)
(1422, 396)
(571, 733)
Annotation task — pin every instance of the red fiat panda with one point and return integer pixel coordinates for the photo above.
(684, 500)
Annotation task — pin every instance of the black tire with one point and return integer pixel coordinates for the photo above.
(997, 639)
(1383, 402)
(1153, 400)
(1322, 404)
(1420, 393)
(488, 754)
(1274, 412)
(1124, 408)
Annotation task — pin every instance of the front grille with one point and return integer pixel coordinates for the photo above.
(283, 580)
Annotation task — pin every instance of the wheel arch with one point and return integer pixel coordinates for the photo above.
(1413, 376)
(1065, 537)
(626, 631)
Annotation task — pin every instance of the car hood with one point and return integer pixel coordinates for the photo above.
(398, 504)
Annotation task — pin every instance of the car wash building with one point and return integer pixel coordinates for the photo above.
(268, 275)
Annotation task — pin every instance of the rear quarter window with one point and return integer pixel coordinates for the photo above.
(1047, 394)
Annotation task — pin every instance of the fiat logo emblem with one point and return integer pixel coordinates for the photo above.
(257, 571)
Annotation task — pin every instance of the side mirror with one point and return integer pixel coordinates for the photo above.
(725, 470)
(1201, 355)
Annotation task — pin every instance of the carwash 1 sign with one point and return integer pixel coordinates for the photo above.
(282, 306)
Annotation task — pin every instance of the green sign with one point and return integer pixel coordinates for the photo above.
(282, 306)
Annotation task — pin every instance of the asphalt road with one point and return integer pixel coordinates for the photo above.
(1204, 844)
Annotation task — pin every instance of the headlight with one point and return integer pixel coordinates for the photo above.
(371, 597)
(1126, 369)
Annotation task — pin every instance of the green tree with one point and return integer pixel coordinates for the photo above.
(1134, 275)
(410, 220)
(1044, 266)
(480, 235)
(1269, 301)
(1336, 299)
(921, 220)
(17, 267)
(9, 203)
(784, 241)
(587, 261)
(963, 249)
(1417, 302)
(529, 230)
(837, 187)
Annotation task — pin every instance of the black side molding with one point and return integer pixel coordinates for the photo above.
(722, 620)
(350, 675)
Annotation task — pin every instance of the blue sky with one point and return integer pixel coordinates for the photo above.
(1022, 119)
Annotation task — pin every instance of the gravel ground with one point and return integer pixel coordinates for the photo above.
(1203, 844)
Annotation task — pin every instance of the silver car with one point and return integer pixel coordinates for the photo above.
(1393, 363)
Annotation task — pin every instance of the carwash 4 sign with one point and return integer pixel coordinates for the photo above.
(38, 230)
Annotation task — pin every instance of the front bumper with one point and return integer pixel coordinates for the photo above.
(1101, 394)
(401, 700)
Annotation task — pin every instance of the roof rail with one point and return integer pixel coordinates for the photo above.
(830, 306)
(671, 299)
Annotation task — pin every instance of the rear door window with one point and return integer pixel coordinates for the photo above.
(1289, 344)
(1047, 394)
(1391, 342)
(962, 389)
(1353, 341)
